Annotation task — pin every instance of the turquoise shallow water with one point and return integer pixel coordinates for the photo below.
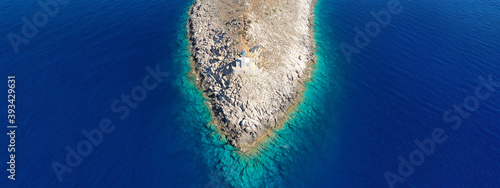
(281, 159)
(354, 122)
(356, 119)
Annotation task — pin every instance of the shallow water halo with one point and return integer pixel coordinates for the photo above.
(297, 146)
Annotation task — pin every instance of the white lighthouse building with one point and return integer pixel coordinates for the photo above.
(244, 64)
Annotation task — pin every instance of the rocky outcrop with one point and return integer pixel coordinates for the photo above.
(248, 105)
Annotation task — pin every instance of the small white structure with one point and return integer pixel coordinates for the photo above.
(244, 63)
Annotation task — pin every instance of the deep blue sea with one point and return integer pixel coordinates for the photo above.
(409, 82)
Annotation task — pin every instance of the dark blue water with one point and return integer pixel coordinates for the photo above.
(68, 75)
(398, 87)
(359, 116)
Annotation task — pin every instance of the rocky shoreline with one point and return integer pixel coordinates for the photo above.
(248, 102)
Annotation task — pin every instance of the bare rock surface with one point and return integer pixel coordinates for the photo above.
(247, 105)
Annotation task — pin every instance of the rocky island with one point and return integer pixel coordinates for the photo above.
(251, 58)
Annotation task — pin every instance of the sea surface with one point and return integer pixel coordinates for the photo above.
(355, 120)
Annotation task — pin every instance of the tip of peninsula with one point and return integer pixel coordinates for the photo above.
(251, 57)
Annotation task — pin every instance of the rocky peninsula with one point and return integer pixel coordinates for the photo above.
(251, 58)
